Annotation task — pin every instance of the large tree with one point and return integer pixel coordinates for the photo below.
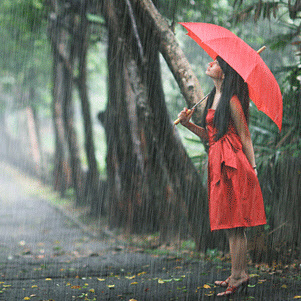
(152, 183)
(69, 36)
(67, 162)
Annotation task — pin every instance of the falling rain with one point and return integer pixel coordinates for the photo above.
(102, 197)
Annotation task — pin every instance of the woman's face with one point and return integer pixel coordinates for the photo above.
(214, 70)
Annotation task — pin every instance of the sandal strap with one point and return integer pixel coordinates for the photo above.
(223, 283)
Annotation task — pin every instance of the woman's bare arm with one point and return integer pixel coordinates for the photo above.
(242, 128)
(185, 116)
(198, 130)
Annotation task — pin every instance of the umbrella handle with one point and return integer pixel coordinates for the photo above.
(261, 49)
(177, 121)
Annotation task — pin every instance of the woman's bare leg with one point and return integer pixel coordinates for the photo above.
(238, 251)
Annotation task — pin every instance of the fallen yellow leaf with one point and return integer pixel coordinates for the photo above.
(100, 279)
(92, 290)
(26, 298)
(130, 277)
(297, 297)
(142, 273)
(111, 285)
(284, 286)
(34, 286)
(134, 283)
(160, 281)
(48, 279)
(206, 286)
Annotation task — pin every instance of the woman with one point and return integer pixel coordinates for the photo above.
(235, 198)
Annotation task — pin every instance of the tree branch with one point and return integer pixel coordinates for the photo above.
(174, 56)
(135, 29)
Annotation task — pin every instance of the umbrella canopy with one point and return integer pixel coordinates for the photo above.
(264, 90)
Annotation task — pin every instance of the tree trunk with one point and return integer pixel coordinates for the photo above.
(132, 202)
(185, 182)
(71, 137)
(62, 175)
(92, 183)
(63, 49)
(34, 141)
(173, 55)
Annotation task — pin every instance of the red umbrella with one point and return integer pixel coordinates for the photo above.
(264, 90)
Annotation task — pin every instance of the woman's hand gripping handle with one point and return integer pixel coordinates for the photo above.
(184, 117)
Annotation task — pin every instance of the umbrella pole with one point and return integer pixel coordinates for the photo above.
(178, 120)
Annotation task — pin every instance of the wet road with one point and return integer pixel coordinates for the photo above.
(45, 256)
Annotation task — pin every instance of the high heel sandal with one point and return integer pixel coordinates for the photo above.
(232, 289)
(224, 283)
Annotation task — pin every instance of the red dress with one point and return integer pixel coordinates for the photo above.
(235, 198)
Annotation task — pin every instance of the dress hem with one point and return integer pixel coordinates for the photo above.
(223, 227)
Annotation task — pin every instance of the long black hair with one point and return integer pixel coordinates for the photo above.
(233, 84)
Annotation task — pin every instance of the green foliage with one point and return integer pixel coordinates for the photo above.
(25, 50)
(265, 9)
(194, 10)
(95, 19)
(21, 28)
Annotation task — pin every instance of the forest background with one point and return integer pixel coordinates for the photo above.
(88, 94)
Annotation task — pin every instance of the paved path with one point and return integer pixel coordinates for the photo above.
(45, 256)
